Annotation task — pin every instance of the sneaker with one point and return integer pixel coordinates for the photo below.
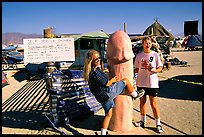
(139, 124)
(159, 129)
(99, 133)
(140, 93)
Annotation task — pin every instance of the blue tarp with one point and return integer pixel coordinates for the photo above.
(8, 48)
(193, 40)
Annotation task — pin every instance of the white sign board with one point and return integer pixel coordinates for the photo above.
(48, 50)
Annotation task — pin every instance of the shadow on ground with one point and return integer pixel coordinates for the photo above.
(91, 123)
(24, 74)
(20, 75)
(184, 87)
(25, 109)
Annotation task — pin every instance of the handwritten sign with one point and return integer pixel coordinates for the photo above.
(48, 49)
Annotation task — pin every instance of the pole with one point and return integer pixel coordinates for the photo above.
(125, 27)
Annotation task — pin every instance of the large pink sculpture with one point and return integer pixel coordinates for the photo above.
(120, 60)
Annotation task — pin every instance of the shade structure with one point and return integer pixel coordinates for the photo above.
(95, 35)
(157, 29)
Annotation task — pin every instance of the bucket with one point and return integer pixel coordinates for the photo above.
(168, 65)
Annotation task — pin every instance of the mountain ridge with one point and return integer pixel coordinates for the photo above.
(17, 37)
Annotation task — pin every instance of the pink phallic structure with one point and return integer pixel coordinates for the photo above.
(120, 60)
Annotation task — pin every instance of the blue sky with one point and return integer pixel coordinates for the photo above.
(83, 17)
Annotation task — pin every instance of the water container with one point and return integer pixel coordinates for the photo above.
(134, 80)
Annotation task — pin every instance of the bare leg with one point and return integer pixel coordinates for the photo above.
(143, 104)
(106, 119)
(129, 88)
(155, 109)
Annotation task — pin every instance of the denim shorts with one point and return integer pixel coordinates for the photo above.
(114, 90)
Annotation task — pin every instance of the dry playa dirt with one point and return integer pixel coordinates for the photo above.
(180, 102)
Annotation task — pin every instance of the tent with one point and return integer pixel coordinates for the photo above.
(193, 41)
(157, 29)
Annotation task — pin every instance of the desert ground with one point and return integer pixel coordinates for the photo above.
(180, 102)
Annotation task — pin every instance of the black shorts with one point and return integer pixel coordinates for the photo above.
(150, 91)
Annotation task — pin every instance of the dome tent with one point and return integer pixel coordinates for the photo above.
(193, 40)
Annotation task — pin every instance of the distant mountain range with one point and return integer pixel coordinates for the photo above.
(179, 34)
(17, 37)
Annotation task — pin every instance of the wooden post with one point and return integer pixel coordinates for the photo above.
(125, 27)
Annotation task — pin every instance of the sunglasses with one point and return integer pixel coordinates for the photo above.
(96, 59)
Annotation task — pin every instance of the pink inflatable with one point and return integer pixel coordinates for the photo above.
(120, 60)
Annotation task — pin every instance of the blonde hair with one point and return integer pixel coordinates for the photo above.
(87, 64)
(147, 38)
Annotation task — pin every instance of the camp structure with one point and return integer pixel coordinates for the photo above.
(137, 37)
(156, 29)
(193, 40)
(190, 27)
(87, 41)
